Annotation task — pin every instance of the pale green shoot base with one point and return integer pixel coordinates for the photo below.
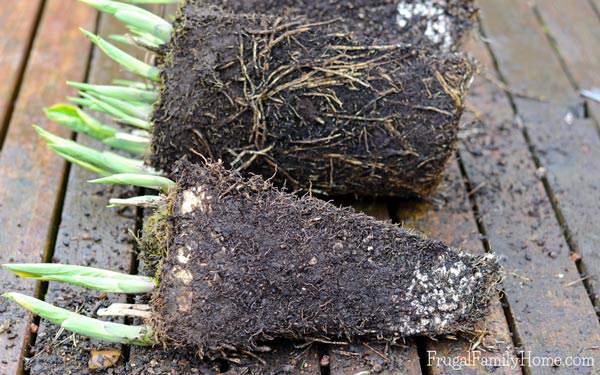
(87, 277)
(83, 325)
(142, 180)
(129, 62)
(103, 163)
(119, 92)
(127, 309)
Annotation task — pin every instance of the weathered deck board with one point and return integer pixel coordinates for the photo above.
(31, 184)
(576, 33)
(18, 22)
(552, 313)
(90, 234)
(449, 218)
(521, 227)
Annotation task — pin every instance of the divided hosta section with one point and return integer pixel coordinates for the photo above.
(549, 311)
(31, 183)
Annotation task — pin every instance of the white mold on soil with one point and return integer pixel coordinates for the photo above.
(430, 14)
(438, 295)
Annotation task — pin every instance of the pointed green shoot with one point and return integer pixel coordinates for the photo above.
(96, 104)
(92, 168)
(79, 121)
(142, 180)
(89, 104)
(146, 201)
(124, 39)
(105, 160)
(134, 84)
(144, 38)
(136, 109)
(99, 160)
(129, 62)
(135, 40)
(151, 1)
(155, 26)
(135, 144)
(83, 325)
(87, 277)
(118, 92)
(135, 16)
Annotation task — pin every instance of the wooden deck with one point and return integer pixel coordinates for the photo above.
(525, 184)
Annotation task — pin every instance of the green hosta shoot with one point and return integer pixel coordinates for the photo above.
(142, 37)
(139, 110)
(134, 16)
(135, 144)
(83, 325)
(129, 62)
(159, 31)
(119, 115)
(134, 84)
(146, 201)
(124, 39)
(151, 1)
(135, 40)
(79, 121)
(90, 167)
(111, 105)
(142, 180)
(87, 277)
(101, 162)
(127, 92)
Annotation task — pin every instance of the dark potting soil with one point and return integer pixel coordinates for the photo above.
(247, 263)
(307, 103)
(436, 24)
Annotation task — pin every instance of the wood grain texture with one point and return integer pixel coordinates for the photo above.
(550, 316)
(575, 31)
(18, 21)
(30, 188)
(567, 147)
